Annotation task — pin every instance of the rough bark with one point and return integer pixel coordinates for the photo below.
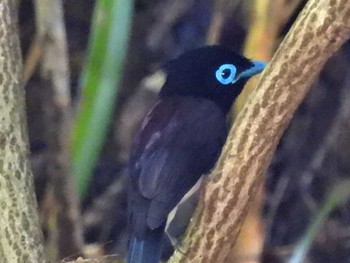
(311, 158)
(20, 235)
(268, 17)
(67, 236)
(321, 28)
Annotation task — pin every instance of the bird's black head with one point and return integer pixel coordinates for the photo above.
(212, 72)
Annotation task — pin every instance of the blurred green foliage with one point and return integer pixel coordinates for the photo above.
(337, 196)
(99, 86)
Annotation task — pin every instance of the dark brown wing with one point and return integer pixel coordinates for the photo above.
(179, 141)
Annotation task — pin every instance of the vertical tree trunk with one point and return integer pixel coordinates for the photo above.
(20, 235)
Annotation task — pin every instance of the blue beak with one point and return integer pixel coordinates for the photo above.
(258, 67)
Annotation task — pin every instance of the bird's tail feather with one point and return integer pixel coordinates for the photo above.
(147, 250)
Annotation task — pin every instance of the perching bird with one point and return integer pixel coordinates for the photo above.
(180, 140)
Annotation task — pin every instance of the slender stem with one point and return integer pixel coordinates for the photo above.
(66, 236)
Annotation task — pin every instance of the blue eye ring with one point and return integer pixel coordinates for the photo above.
(220, 74)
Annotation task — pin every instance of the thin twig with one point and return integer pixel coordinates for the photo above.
(32, 59)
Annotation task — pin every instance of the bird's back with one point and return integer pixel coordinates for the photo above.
(179, 141)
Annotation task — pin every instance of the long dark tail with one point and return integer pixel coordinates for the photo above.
(148, 250)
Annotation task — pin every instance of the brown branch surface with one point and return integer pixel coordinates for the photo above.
(20, 234)
(266, 23)
(67, 235)
(321, 28)
(268, 18)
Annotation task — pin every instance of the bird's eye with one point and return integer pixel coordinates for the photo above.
(226, 74)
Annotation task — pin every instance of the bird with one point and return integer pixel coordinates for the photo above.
(180, 139)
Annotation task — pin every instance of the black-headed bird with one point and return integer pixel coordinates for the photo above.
(180, 140)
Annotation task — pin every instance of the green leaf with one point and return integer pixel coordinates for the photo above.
(100, 80)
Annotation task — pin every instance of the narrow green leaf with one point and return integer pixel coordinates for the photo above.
(339, 194)
(100, 80)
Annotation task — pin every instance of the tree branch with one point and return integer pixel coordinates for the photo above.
(58, 112)
(321, 28)
(20, 235)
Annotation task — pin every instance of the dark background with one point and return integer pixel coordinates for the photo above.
(313, 155)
